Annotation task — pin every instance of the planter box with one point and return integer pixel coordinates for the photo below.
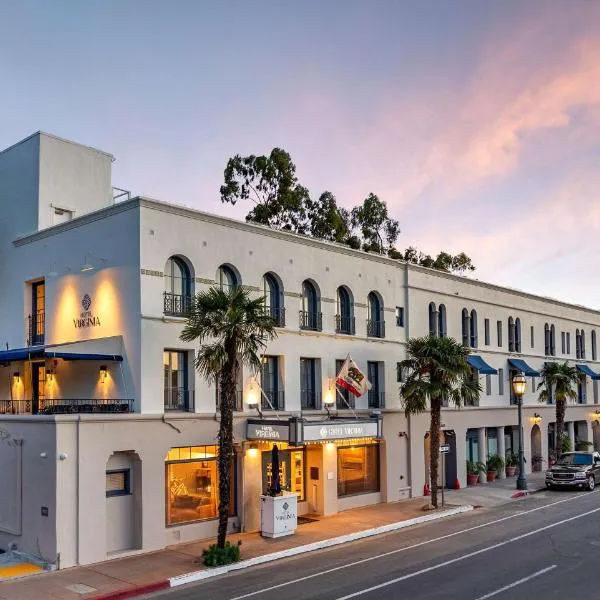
(491, 475)
(472, 479)
(278, 515)
(511, 471)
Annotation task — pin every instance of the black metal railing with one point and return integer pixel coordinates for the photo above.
(277, 314)
(65, 406)
(36, 329)
(176, 305)
(310, 400)
(344, 324)
(276, 400)
(238, 405)
(344, 399)
(179, 399)
(376, 399)
(312, 321)
(375, 328)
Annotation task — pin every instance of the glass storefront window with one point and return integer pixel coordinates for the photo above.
(358, 470)
(291, 471)
(192, 485)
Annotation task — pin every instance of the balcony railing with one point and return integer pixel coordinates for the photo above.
(344, 324)
(376, 399)
(375, 328)
(277, 314)
(311, 321)
(179, 399)
(65, 406)
(275, 398)
(36, 329)
(176, 305)
(237, 405)
(310, 400)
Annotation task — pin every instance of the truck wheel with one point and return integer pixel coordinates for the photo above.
(591, 483)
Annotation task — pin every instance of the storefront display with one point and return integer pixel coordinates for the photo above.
(291, 471)
(358, 469)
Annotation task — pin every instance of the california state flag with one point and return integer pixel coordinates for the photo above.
(352, 378)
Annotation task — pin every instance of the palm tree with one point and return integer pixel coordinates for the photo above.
(561, 378)
(231, 328)
(436, 369)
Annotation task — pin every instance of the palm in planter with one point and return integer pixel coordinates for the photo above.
(512, 460)
(436, 368)
(563, 379)
(473, 471)
(495, 463)
(231, 328)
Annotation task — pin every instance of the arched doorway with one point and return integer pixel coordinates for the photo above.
(596, 435)
(536, 448)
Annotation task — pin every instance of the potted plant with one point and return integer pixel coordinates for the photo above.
(494, 464)
(565, 444)
(512, 460)
(582, 445)
(473, 471)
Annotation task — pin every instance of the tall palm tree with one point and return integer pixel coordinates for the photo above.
(436, 368)
(560, 377)
(231, 328)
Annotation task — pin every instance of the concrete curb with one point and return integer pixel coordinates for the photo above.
(251, 562)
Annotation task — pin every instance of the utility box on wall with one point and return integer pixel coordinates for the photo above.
(278, 515)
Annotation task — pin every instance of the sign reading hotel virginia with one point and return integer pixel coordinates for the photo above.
(333, 431)
(268, 431)
(86, 318)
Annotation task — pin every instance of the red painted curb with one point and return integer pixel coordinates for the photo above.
(520, 494)
(138, 590)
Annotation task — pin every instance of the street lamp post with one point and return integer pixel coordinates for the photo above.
(519, 384)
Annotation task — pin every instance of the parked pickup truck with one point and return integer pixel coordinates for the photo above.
(575, 469)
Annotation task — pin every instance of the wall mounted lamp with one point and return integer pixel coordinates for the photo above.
(16, 377)
(537, 417)
(87, 266)
(49, 375)
(103, 373)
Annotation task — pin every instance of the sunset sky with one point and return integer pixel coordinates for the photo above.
(478, 122)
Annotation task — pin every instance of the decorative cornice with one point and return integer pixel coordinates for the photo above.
(151, 273)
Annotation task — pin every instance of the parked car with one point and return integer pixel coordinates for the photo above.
(575, 469)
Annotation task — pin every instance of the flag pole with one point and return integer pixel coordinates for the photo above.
(340, 393)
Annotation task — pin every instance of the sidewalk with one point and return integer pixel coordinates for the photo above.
(108, 579)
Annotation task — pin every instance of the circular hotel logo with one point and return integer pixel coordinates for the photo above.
(86, 302)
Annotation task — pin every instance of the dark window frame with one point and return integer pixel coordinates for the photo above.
(126, 490)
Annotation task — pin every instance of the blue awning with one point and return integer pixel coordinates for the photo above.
(587, 371)
(480, 365)
(20, 354)
(521, 365)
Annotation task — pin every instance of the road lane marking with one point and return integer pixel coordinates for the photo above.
(405, 548)
(466, 556)
(518, 582)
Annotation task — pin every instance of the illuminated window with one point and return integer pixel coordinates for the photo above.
(291, 471)
(118, 483)
(358, 470)
(192, 485)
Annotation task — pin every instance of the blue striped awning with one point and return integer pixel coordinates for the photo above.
(480, 365)
(521, 365)
(587, 371)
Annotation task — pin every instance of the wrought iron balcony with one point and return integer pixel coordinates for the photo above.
(65, 406)
(375, 328)
(311, 321)
(36, 329)
(345, 324)
(376, 399)
(276, 400)
(310, 400)
(277, 314)
(179, 399)
(238, 404)
(176, 305)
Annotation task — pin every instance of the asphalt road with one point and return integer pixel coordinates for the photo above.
(544, 546)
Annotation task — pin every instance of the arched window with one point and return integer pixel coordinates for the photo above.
(227, 277)
(552, 340)
(594, 353)
(465, 327)
(547, 339)
(577, 344)
(442, 329)
(375, 322)
(178, 287)
(582, 345)
(433, 319)
(474, 329)
(511, 334)
(345, 311)
(517, 335)
(310, 315)
(273, 291)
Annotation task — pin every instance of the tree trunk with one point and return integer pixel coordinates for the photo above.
(228, 391)
(560, 426)
(434, 448)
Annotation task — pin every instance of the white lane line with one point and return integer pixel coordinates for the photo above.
(516, 583)
(466, 556)
(404, 549)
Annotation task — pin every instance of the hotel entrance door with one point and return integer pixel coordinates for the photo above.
(38, 386)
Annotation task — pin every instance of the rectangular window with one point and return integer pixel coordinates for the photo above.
(376, 397)
(270, 383)
(192, 485)
(533, 384)
(563, 342)
(532, 333)
(310, 396)
(177, 397)
(486, 331)
(499, 328)
(118, 483)
(488, 385)
(358, 470)
(568, 342)
(399, 316)
(582, 391)
(344, 398)
(37, 327)
(399, 373)
(291, 471)
(595, 388)
(501, 382)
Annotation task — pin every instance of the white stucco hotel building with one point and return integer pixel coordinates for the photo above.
(107, 433)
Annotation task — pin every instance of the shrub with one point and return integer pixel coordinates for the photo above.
(217, 557)
(495, 463)
(582, 445)
(474, 468)
(565, 443)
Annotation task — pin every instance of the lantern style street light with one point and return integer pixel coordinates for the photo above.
(519, 384)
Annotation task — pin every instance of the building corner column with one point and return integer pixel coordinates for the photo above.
(501, 449)
(482, 451)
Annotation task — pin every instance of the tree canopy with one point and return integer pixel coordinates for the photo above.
(281, 202)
